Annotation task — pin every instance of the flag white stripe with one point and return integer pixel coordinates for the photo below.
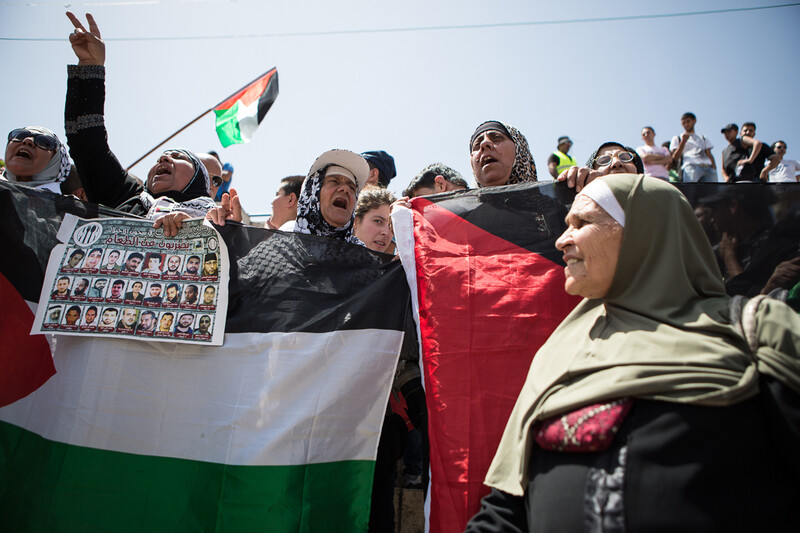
(247, 115)
(260, 399)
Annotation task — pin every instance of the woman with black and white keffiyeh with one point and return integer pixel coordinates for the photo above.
(327, 200)
(328, 197)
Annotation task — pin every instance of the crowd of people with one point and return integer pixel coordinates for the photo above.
(663, 356)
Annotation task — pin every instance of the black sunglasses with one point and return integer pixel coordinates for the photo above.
(45, 141)
(216, 181)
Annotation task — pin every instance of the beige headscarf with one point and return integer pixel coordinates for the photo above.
(661, 333)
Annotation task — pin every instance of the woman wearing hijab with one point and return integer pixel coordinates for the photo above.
(36, 157)
(499, 155)
(659, 404)
(610, 157)
(177, 182)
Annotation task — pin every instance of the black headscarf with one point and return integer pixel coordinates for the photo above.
(199, 184)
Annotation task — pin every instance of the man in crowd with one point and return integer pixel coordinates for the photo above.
(787, 170)
(433, 179)
(560, 160)
(733, 153)
(213, 165)
(284, 205)
(694, 151)
(381, 168)
(751, 168)
(656, 158)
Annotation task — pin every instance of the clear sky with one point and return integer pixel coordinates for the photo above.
(413, 78)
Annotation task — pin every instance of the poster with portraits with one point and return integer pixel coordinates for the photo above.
(120, 277)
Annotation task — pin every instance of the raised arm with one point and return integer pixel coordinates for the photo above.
(103, 178)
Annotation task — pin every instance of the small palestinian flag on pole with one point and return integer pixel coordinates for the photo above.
(240, 114)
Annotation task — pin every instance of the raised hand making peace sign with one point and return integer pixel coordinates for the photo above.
(87, 45)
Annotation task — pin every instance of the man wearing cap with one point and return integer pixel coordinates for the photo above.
(381, 168)
(732, 153)
(560, 160)
(695, 151)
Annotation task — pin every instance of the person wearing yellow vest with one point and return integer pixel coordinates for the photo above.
(559, 161)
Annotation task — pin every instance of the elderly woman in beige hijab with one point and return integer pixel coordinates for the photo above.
(660, 403)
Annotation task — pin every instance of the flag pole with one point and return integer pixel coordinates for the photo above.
(204, 113)
(201, 115)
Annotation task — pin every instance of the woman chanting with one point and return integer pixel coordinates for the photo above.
(499, 155)
(177, 182)
(659, 404)
(36, 157)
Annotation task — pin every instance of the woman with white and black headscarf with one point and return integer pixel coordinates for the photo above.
(36, 157)
(499, 155)
(328, 197)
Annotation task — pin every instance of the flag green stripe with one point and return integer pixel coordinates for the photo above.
(227, 124)
(49, 486)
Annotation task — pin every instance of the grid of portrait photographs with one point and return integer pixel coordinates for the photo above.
(122, 291)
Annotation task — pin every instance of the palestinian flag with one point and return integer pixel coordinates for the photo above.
(240, 114)
(488, 284)
(277, 430)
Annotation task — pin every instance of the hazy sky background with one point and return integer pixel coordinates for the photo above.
(368, 75)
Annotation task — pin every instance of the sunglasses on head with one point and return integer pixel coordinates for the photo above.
(604, 160)
(45, 141)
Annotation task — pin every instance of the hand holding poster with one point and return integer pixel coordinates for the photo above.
(123, 278)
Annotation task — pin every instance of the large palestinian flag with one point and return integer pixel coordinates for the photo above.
(487, 283)
(277, 430)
